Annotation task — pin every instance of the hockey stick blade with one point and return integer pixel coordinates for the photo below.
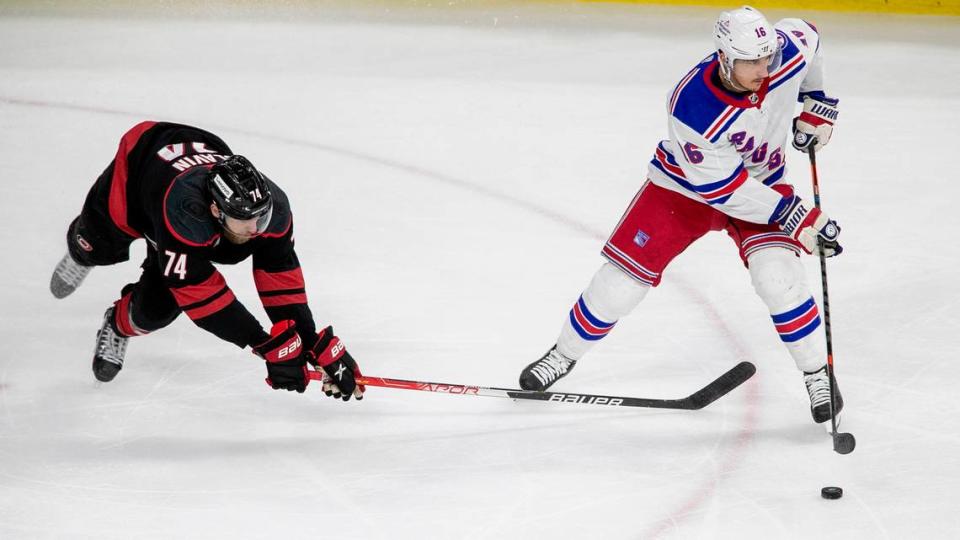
(844, 443)
(720, 386)
(698, 400)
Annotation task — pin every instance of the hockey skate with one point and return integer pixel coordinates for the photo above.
(551, 367)
(111, 347)
(67, 276)
(818, 386)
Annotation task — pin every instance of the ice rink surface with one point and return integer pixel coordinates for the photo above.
(453, 176)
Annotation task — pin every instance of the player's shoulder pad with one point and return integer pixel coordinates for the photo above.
(797, 36)
(282, 218)
(701, 105)
(186, 209)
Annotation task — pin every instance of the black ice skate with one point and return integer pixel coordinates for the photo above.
(818, 386)
(67, 276)
(546, 371)
(111, 347)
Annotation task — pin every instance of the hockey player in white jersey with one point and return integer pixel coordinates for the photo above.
(723, 168)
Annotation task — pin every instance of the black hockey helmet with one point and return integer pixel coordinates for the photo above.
(240, 191)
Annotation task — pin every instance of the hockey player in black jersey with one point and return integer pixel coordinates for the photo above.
(182, 190)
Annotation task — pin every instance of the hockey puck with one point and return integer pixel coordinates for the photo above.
(831, 492)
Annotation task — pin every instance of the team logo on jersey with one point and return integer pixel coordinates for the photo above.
(641, 238)
(799, 35)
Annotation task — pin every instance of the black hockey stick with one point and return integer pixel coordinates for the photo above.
(843, 443)
(698, 400)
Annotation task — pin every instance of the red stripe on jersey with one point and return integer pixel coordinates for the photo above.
(278, 281)
(191, 294)
(662, 157)
(283, 299)
(785, 69)
(679, 89)
(727, 189)
(718, 123)
(206, 310)
(117, 204)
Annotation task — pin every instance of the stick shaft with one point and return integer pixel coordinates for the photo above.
(826, 293)
(699, 399)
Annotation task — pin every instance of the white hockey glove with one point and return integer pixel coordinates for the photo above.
(807, 225)
(815, 124)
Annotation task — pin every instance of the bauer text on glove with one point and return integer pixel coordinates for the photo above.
(286, 363)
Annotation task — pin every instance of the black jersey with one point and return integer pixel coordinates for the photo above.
(159, 192)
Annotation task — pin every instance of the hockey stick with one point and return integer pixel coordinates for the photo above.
(843, 443)
(698, 400)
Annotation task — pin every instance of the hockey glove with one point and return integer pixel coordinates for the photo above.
(815, 124)
(339, 367)
(286, 363)
(807, 225)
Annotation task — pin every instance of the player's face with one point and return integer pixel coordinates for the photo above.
(239, 231)
(750, 74)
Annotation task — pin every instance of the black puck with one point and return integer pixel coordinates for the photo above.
(831, 492)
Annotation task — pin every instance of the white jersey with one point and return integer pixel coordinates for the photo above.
(726, 150)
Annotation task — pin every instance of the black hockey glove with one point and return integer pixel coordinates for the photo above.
(286, 363)
(339, 367)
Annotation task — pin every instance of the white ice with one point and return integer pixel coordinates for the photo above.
(453, 175)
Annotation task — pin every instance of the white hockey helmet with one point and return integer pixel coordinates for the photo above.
(745, 34)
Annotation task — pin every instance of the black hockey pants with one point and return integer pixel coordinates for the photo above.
(94, 240)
